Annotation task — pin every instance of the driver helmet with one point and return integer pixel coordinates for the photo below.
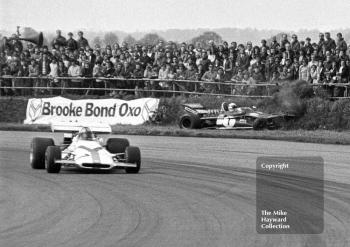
(224, 106)
(85, 134)
(232, 106)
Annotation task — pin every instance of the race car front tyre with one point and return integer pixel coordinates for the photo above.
(117, 145)
(37, 151)
(259, 124)
(52, 154)
(133, 155)
(190, 122)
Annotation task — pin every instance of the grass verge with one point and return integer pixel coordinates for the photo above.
(314, 136)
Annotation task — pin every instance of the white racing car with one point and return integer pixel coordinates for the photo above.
(83, 149)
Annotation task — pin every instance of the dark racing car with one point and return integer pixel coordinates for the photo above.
(229, 117)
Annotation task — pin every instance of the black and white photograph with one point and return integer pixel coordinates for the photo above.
(174, 123)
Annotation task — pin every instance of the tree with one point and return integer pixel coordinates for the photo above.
(97, 41)
(110, 38)
(206, 37)
(130, 40)
(151, 39)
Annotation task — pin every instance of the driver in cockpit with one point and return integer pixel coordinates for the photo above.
(85, 134)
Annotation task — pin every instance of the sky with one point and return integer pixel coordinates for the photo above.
(146, 15)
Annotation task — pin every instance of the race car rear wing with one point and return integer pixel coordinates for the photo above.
(75, 127)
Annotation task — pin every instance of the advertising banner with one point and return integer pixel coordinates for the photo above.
(107, 111)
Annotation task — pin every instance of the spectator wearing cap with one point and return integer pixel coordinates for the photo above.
(72, 44)
(308, 49)
(341, 44)
(82, 42)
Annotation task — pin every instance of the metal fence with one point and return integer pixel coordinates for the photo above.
(34, 86)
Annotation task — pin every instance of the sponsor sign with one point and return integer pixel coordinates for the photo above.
(108, 111)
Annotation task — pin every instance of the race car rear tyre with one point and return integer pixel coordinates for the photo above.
(190, 122)
(133, 155)
(259, 124)
(52, 154)
(117, 145)
(37, 151)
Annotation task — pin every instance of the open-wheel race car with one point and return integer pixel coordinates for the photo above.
(229, 117)
(81, 148)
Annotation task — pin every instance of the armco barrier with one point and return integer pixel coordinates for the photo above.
(58, 85)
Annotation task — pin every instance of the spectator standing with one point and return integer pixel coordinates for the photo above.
(75, 71)
(284, 41)
(295, 45)
(313, 74)
(320, 72)
(304, 71)
(82, 42)
(329, 43)
(59, 40)
(53, 82)
(72, 44)
(341, 44)
(274, 44)
(209, 76)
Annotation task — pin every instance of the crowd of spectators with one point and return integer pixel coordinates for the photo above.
(324, 61)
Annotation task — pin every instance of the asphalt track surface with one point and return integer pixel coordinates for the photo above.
(190, 192)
